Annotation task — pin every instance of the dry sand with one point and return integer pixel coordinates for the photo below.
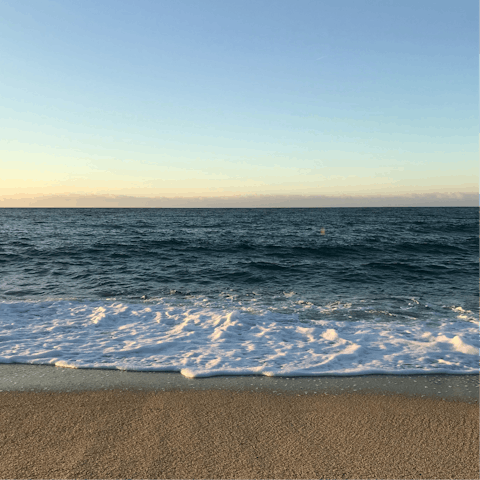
(236, 434)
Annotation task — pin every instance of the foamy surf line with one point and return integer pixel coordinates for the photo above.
(201, 340)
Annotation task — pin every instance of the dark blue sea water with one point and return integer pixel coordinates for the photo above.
(370, 265)
(127, 253)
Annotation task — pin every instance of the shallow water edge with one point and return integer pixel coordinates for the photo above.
(20, 377)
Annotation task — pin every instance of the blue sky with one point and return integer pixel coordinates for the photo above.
(226, 98)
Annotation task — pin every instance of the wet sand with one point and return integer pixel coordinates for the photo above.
(228, 427)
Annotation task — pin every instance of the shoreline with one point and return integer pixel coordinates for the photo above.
(68, 423)
(26, 377)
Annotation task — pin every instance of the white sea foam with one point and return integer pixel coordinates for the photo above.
(202, 338)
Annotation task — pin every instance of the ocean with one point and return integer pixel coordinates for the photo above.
(276, 292)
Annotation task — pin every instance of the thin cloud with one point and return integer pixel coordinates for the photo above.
(242, 201)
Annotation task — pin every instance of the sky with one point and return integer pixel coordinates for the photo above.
(233, 103)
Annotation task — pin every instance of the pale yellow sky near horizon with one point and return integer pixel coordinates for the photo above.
(217, 178)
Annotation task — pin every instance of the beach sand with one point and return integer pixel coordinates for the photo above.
(248, 432)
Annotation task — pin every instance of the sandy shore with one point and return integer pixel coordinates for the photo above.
(227, 433)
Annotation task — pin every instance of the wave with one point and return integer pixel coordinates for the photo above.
(200, 336)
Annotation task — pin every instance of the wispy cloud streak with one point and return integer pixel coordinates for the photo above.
(241, 201)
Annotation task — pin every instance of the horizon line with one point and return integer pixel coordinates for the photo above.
(433, 199)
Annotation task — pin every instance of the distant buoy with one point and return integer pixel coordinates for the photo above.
(322, 231)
